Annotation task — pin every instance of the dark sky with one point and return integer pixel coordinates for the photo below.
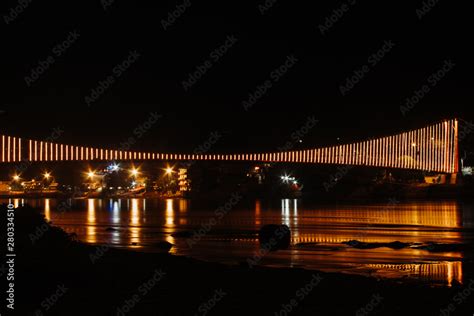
(154, 81)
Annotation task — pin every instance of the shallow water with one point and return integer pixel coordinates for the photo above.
(317, 233)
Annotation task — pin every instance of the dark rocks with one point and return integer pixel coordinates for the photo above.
(274, 236)
(372, 245)
(397, 245)
(163, 246)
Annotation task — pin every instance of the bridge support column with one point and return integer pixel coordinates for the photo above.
(453, 178)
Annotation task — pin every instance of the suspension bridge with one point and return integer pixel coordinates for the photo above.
(431, 148)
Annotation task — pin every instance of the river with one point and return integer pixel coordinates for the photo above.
(318, 232)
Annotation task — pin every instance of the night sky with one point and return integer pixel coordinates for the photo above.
(163, 53)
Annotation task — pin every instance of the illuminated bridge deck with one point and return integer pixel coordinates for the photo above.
(432, 148)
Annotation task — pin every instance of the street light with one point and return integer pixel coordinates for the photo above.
(91, 174)
(16, 177)
(285, 178)
(134, 172)
(47, 175)
(113, 167)
(169, 170)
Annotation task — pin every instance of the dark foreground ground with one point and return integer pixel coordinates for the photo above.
(57, 276)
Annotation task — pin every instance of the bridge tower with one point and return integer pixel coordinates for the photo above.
(455, 174)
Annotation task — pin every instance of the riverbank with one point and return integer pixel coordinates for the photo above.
(71, 278)
(381, 191)
(157, 284)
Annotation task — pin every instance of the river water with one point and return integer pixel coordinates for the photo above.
(318, 232)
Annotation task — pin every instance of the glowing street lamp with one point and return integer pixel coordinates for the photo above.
(91, 174)
(134, 172)
(47, 175)
(169, 170)
(114, 167)
(285, 178)
(16, 177)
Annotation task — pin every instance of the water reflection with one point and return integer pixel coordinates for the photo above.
(285, 212)
(258, 211)
(16, 202)
(170, 220)
(317, 232)
(382, 223)
(91, 221)
(135, 228)
(47, 209)
(169, 213)
(183, 205)
(410, 223)
(289, 214)
(115, 212)
(442, 272)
